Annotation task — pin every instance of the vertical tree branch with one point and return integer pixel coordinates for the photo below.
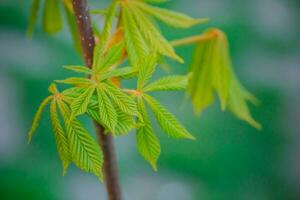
(105, 140)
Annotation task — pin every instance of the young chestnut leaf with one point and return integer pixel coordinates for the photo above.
(125, 122)
(107, 113)
(123, 73)
(110, 15)
(152, 35)
(37, 117)
(110, 58)
(213, 72)
(147, 142)
(85, 152)
(146, 66)
(136, 45)
(78, 81)
(124, 102)
(78, 69)
(60, 137)
(166, 120)
(171, 18)
(33, 15)
(80, 103)
(168, 83)
(52, 20)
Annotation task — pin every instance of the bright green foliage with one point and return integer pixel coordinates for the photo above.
(74, 144)
(107, 113)
(97, 92)
(212, 72)
(166, 120)
(123, 73)
(109, 59)
(146, 70)
(60, 137)
(168, 83)
(124, 102)
(141, 34)
(52, 18)
(80, 104)
(37, 118)
(147, 142)
(84, 150)
(111, 12)
(171, 18)
(52, 21)
(33, 15)
(78, 69)
(135, 43)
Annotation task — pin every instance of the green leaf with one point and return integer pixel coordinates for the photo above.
(175, 82)
(146, 69)
(166, 120)
(171, 18)
(212, 72)
(80, 104)
(78, 69)
(200, 85)
(33, 16)
(111, 12)
(135, 44)
(107, 113)
(151, 34)
(37, 117)
(52, 21)
(123, 73)
(52, 88)
(60, 137)
(84, 82)
(124, 102)
(125, 122)
(237, 103)
(85, 152)
(147, 142)
(112, 57)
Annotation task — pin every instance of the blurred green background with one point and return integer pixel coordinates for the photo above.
(229, 160)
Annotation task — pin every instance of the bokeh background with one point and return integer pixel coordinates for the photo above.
(229, 160)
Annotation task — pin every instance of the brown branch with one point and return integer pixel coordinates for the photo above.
(105, 140)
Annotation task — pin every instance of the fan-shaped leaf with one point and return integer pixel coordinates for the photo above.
(166, 120)
(147, 142)
(37, 117)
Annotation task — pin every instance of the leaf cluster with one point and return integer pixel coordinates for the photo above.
(97, 92)
(213, 73)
